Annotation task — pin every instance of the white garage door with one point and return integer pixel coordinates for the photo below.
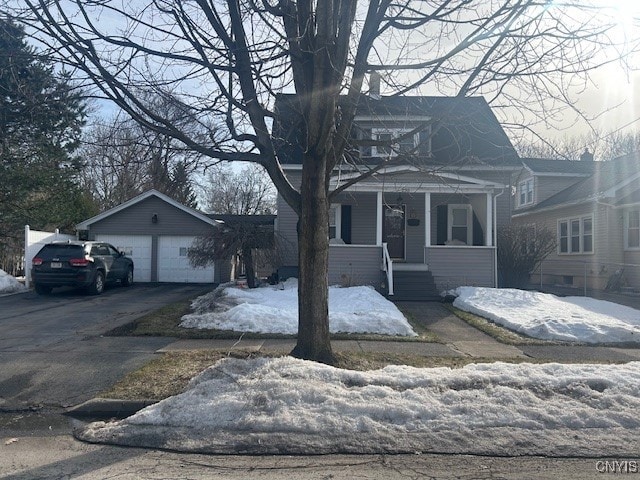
(138, 248)
(173, 262)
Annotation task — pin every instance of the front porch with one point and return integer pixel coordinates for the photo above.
(421, 242)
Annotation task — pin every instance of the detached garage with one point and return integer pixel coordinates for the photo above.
(156, 232)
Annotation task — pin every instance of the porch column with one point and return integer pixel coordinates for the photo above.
(427, 219)
(379, 219)
(489, 239)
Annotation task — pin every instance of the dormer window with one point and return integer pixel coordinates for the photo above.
(397, 140)
(525, 192)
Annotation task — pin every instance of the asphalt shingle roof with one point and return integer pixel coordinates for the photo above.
(466, 130)
(545, 165)
(605, 176)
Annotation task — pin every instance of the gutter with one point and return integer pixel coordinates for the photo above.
(495, 237)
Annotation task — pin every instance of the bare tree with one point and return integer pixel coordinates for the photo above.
(521, 249)
(237, 195)
(604, 146)
(223, 62)
(122, 159)
(248, 191)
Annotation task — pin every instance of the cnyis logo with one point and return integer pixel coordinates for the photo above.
(618, 466)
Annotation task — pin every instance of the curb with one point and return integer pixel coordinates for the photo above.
(107, 408)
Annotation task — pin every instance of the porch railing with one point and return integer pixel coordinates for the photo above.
(387, 267)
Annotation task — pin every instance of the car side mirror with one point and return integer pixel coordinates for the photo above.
(121, 253)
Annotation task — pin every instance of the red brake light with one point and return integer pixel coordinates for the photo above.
(79, 262)
(36, 261)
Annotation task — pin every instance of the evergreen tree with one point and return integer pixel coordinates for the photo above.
(41, 117)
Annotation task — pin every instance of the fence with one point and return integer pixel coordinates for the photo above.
(582, 276)
(33, 242)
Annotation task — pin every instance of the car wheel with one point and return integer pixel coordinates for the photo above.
(41, 289)
(127, 280)
(97, 286)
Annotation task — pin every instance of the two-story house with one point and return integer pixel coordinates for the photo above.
(594, 210)
(426, 220)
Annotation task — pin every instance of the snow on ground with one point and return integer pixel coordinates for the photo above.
(9, 284)
(283, 405)
(274, 309)
(545, 316)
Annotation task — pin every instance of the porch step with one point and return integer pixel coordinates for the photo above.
(414, 286)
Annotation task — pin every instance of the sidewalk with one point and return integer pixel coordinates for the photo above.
(457, 339)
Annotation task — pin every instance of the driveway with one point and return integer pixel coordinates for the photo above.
(53, 354)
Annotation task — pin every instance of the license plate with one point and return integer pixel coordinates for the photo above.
(56, 265)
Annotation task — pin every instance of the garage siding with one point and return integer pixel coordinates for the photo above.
(152, 244)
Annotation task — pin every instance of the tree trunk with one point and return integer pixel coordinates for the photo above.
(247, 258)
(313, 260)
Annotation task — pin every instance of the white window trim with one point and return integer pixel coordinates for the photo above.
(522, 187)
(626, 230)
(581, 219)
(395, 133)
(469, 210)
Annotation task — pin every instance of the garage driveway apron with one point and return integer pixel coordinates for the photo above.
(52, 352)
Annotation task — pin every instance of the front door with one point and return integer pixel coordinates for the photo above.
(393, 230)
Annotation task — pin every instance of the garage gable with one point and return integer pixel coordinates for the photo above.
(147, 214)
(156, 232)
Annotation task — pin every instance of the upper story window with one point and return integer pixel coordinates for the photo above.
(632, 230)
(397, 140)
(575, 235)
(525, 192)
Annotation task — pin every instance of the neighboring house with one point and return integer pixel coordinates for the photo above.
(595, 213)
(426, 221)
(156, 232)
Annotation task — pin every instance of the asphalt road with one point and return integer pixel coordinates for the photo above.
(53, 354)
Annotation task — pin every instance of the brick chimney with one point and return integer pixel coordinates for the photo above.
(586, 156)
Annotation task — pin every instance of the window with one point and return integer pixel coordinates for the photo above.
(525, 192)
(398, 141)
(183, 251)
(335, 221)
(632, 234)
(460, 230)
(575, 235)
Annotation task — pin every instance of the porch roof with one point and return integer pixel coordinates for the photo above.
(402, 178)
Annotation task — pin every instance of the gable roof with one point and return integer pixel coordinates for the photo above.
(607, 178)
(84, 225)
(544, 166)
(465, 128)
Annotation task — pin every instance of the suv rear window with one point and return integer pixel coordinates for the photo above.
(61, 251)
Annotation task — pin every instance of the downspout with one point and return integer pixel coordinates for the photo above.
(495, 237)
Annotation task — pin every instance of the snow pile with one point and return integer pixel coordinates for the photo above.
(544, 316)
(269, 406)
(9, 284)
(274, 309)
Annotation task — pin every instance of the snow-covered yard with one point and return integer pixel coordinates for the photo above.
(274, 309)
(291, 406)
(284, 405)
(8, 284)
(545, 316)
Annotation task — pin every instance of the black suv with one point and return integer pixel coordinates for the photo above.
(88, 265)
